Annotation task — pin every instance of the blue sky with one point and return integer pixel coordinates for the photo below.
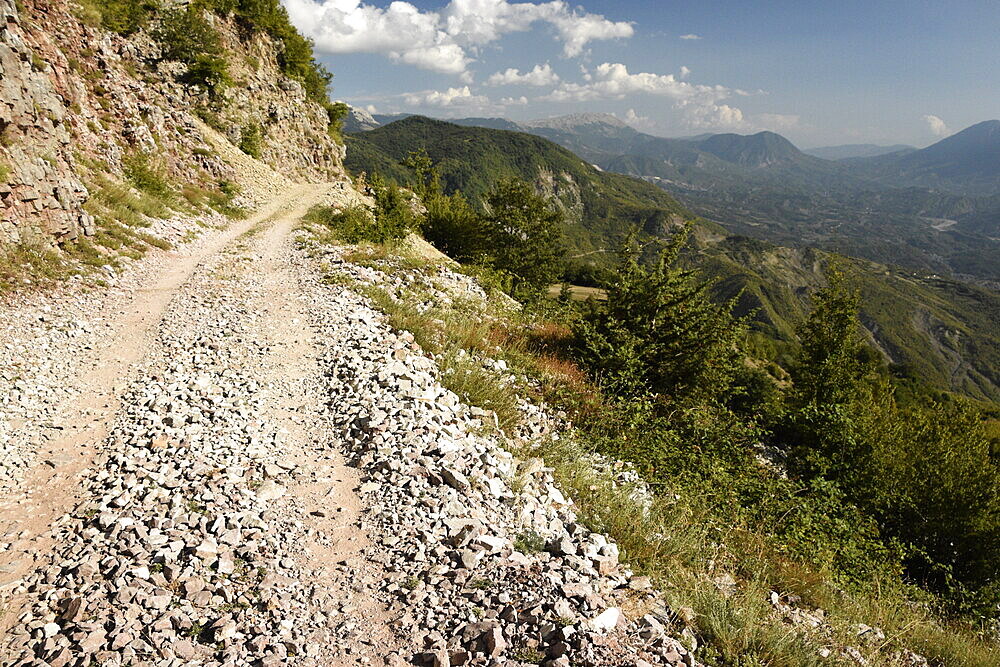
(820, 73)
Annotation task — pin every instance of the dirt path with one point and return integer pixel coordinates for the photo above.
(328, 487)
(51, 488)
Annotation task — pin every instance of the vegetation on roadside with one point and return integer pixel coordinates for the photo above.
(805, 478)
(252, 140)
(939, 333)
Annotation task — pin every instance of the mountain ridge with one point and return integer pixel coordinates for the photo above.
(909, 316)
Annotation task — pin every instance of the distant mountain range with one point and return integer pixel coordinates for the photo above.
(856, 150)
(935, 210)
(965, 163)
(939, 332)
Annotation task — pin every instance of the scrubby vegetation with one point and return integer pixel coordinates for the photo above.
(938, 332)
(801, 475)
(188, 35)
(392, 219)
(252, 140)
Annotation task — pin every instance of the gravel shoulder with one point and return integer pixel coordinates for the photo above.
(70, 356)
(261, 471)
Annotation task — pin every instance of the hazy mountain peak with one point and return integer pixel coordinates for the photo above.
(846, 151)
(754, 150)
(575, 120)
(359, 120)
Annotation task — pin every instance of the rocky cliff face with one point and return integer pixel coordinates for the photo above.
(41, 193)
(75, 100)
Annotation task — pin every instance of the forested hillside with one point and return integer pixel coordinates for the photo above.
(932, 332)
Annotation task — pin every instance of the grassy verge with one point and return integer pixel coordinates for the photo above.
(678, 538)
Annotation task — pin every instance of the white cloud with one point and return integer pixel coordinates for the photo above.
(937, 126)
(713, 116)
(639, 121)
(514, 101)
(699, 104)
(685, 72)
(442, 40)
(371, 108)
(541, 75)
(614, 81)
(446, 98)
(690, 35)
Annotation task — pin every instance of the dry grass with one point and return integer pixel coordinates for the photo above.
(676, 540)
(28, 265)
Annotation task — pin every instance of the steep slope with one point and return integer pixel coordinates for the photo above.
(966, 163)
(938, 333)
(86, 110)
(762, 186)
(601, 208)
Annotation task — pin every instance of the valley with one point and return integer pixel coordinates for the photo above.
(932, 329)
(284, 382)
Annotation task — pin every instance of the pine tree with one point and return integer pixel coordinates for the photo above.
(660, 332)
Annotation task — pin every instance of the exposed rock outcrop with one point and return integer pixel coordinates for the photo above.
(76, 98)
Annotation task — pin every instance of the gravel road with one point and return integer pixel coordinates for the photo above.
(233, 461)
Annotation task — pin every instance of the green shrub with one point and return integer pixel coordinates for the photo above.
(212, 118)
(4, 172)
(927, 474)
(455, 228)
(350, 225)
(660, 332)
(209, 73)
(335, 114)
(252, 140)
(295, 55)
(186, 36)
(392, 220)
(146, 174)
(124, 17)
(523, 233)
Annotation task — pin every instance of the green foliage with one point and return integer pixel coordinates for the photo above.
(927, 474)
(252, 140)
(295, 56)
(187, 36)
(350, 225)
(659, 332)
(523, 234)
(392, 220)
(5, 172)
(211, 118)
(124, 17)
(209, 73)
(146, 174)
(335, 114)
(455, 228)
(829, 366)
(601, 209)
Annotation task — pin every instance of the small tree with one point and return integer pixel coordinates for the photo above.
(660, 332)
(187, 36)
(428, 182)
(834, 403)
(523, 236)
(456, 228)
(830, 362)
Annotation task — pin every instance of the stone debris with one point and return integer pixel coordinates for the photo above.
(187, 545)
(479, 571)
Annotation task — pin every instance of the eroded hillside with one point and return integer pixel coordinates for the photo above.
(85, 108)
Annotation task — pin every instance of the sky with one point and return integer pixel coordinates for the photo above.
(820, 73)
